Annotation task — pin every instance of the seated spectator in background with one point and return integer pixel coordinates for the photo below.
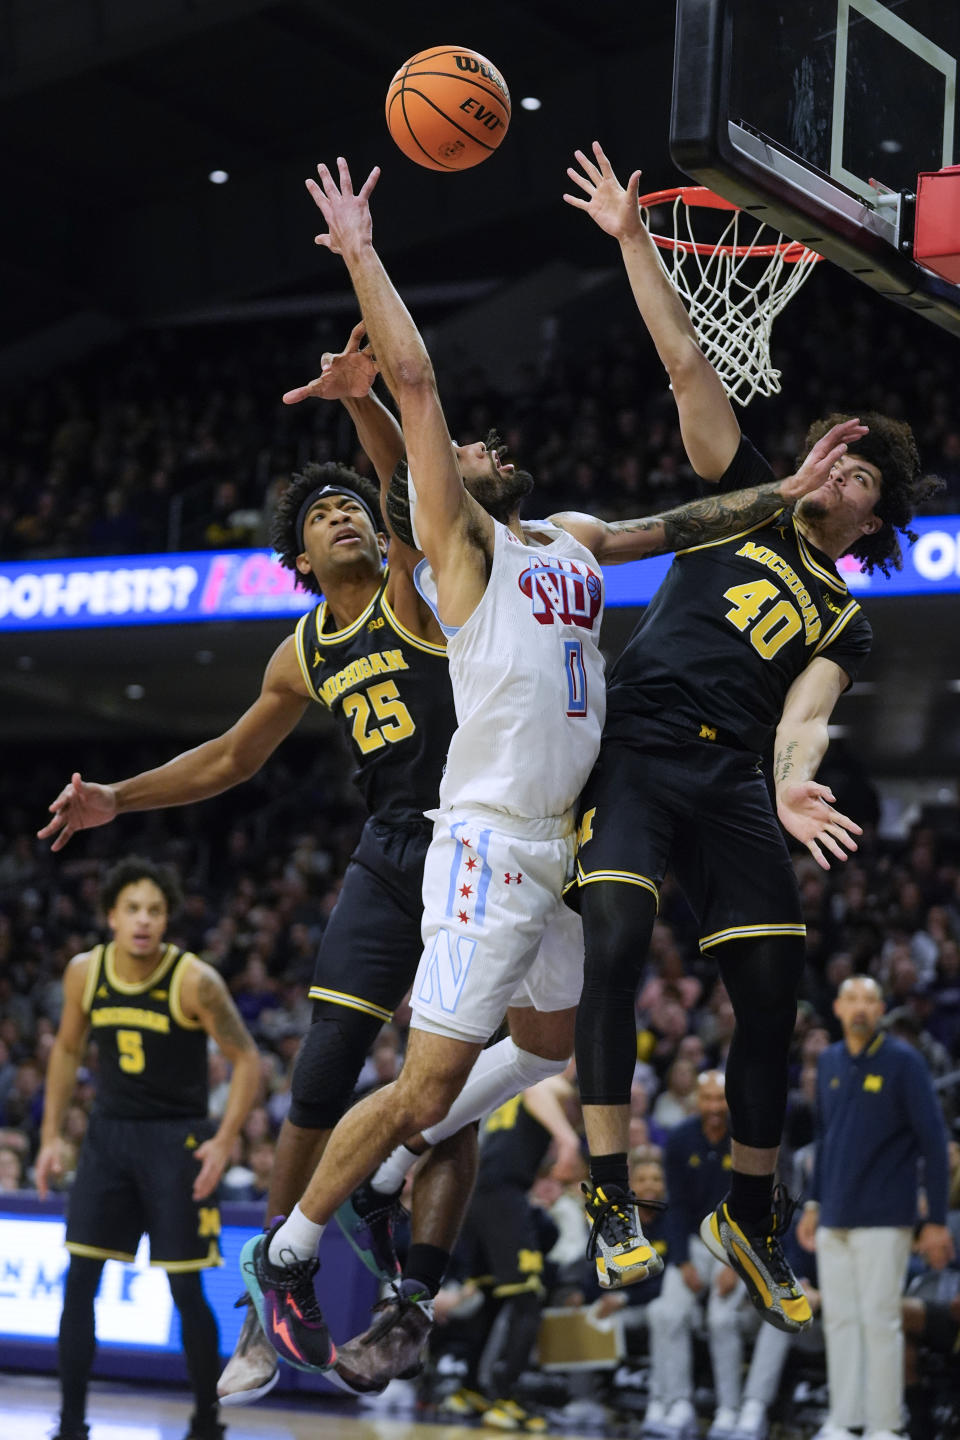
(11, 1169)
(877, 1116)
(383, 1063)
(249, 1183)
(678, 1101)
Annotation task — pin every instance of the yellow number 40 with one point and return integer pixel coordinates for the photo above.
(772, 630)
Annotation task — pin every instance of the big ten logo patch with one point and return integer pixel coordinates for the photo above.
(562, 590)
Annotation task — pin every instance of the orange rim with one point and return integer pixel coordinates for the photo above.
(698, 197)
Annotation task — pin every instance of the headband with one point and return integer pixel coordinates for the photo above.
(318, 494)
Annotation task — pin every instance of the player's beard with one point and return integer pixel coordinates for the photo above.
(809, 508)
(500, 495)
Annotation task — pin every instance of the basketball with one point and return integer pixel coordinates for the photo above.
(448, 108)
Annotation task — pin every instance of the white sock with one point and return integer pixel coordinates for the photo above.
(499, 1072)
(297, 1239)
(394, 1170)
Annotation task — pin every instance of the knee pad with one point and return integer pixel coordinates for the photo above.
(326, 1069)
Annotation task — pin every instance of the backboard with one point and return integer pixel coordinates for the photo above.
(790, 108)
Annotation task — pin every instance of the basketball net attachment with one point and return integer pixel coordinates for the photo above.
(732, 296)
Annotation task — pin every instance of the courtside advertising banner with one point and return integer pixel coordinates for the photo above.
(202, 585)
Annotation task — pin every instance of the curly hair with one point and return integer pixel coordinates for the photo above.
(890, 446)
(134, 868)
(283, 528)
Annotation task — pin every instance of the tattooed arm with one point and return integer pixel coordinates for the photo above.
(804, 807)
(206, 999)
(712, 518)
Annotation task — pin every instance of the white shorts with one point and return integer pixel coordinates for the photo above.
(495, 930)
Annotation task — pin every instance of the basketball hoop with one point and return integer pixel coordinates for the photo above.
(732, 299)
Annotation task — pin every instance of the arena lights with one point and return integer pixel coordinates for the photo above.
(530, 102)
(218, 177)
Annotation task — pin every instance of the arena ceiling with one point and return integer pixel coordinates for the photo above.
(113, 115)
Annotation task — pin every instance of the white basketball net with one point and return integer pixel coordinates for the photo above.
(733, 298)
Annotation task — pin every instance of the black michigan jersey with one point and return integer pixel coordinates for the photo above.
(731, 627)
(390, 692)
(152, 1059)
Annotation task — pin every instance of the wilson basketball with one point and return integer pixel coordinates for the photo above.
(448, 108)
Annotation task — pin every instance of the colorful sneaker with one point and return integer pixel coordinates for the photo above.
(392, 1348)
(508, 1415)
(367, 1219)
(287, 1305)
(617, 1242)
(759, 1260)
(465, 1403)
(253, 1368)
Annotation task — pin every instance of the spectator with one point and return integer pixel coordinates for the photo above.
(877, 1116)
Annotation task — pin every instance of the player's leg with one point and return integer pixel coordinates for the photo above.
(104, 1222)
(279, 1268)
(393, 1346)
(201, 1349)
(737, 875)
(184, 1240)
(626, 825)
(77, 1344)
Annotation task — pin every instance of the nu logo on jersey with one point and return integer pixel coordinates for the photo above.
(563, 590)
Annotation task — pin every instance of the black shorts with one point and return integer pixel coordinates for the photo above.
(501, 1231)
(137, 1176)
(371, 947)
(703, 810)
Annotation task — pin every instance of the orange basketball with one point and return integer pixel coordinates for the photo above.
(448, 108)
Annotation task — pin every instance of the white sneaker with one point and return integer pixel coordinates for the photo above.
(723, 1424)
(829, 1431)
(681, 1421)
(751, 1422)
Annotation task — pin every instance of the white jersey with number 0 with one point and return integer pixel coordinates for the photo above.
(527, 678)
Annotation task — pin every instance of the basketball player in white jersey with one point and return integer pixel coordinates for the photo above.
(521, 606)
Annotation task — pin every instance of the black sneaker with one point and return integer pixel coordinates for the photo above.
(367, 1219)
(72, 1432)
(758, 1258)
(392, 1348)
(617, 1242)
(287, 1304)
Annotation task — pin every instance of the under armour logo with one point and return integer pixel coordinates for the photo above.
(509, 879)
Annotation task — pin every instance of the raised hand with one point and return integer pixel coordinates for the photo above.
(80, 805)
(345, 376)
(815, 470)
(614, 208)
(349, 222)
(806, 810)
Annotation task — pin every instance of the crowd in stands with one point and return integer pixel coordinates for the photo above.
(178, 439)
(180, 442)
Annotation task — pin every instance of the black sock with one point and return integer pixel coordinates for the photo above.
(427, 1264)
(607, 1170)
(751, 1197)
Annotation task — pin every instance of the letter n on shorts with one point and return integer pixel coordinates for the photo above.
(446, 969)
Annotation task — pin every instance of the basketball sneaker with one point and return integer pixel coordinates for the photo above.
(508, 1415)
(253, 1368)
(392, 1348)
(367, 1219)
(72, 1432)
(617, 1241)
(286, 1303)
(464, 1402)
(758, 1258)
